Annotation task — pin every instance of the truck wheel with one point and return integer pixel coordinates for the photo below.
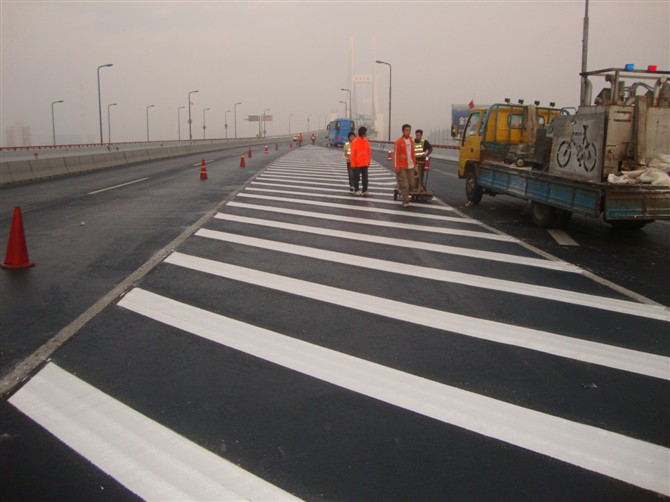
(543, 215)
(473, 191)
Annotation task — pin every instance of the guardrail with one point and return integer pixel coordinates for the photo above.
(21, 164)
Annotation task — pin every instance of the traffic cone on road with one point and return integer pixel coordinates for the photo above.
(266, 149)
(203, 170)
(17, 250)
(427, 164)
(242, 163)
(389, 156)
(249, 153)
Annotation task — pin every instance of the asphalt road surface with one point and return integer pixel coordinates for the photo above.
(266, 335)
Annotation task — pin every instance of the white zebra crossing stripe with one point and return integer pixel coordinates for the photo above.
(405, 243)
(630, 460)
(536, 291)
(375, 223)
(542, 341)
(144, 456)
(368, 209)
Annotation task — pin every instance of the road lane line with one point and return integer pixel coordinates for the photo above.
(587, 351)
(149, 459)
(319, 184)
(406, 243)
(345, 196)
(117, 186)
(630, 460)
(562, 237)
(478, 281)
(376, 210)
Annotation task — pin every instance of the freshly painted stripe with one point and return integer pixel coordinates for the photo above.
(346, 196)
(311, 189)
(562, 237)
(406, 243)
(630, 460)
(546, 293)
(117, 186)
(317, 183)
(376, 210)
(144, 456)
(542, 341)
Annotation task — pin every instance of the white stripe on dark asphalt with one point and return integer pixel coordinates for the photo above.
(144, 456)
(633, 461)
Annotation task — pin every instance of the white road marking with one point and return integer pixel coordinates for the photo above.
(562, 237)
(117, 186)
(345, 196)
(199, 164)
(376, 210)
(406, 243)
(630, 460)
(478, 281)
(542, 341)
(147, 458)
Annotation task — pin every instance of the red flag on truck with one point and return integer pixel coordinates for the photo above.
(471, 104)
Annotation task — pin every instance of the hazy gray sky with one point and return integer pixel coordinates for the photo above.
(294, 57)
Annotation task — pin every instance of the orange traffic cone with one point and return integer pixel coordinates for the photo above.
(389, 157)
(17, 250)
(203, 170)
(242, 163)
(427, 164)
(249, 153)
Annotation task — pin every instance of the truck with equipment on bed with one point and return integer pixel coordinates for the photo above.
(608, 160)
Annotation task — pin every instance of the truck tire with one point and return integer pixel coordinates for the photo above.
(473, 191)
(543, 215)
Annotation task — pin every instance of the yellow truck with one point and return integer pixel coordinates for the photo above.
(609, 159)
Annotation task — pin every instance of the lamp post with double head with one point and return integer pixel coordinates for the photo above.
(109, 123)
(349, 91)
(179, 121)
(226, 122)
(204, 125)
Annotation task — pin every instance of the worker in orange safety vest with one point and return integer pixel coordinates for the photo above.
(360, 161)
(404, 163)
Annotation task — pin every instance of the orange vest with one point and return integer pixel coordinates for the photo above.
(360, 152)
(400, 156)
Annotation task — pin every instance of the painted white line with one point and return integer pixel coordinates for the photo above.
(630, 460)
(346, 196)
(375, 223)
(117, 186)
(144, 456)
(542, 341)
(376, 210)
(406, 243)
(207, 161)
(562, 237)
(478, 281)
(453, 175)
(318, 183)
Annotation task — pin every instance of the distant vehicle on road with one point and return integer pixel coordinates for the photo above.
(338, 131)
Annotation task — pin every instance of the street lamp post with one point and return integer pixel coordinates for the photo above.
(150, 106)
(390, 70)
(109, 123)
(179, 122)
(289, 124)
(345, 107)
(190, 136)
(235, 116)
(204, 126)
(53, 120)
(99, 100)
(349, 91)
(308, 116)
(226, 120)
(264, 121)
